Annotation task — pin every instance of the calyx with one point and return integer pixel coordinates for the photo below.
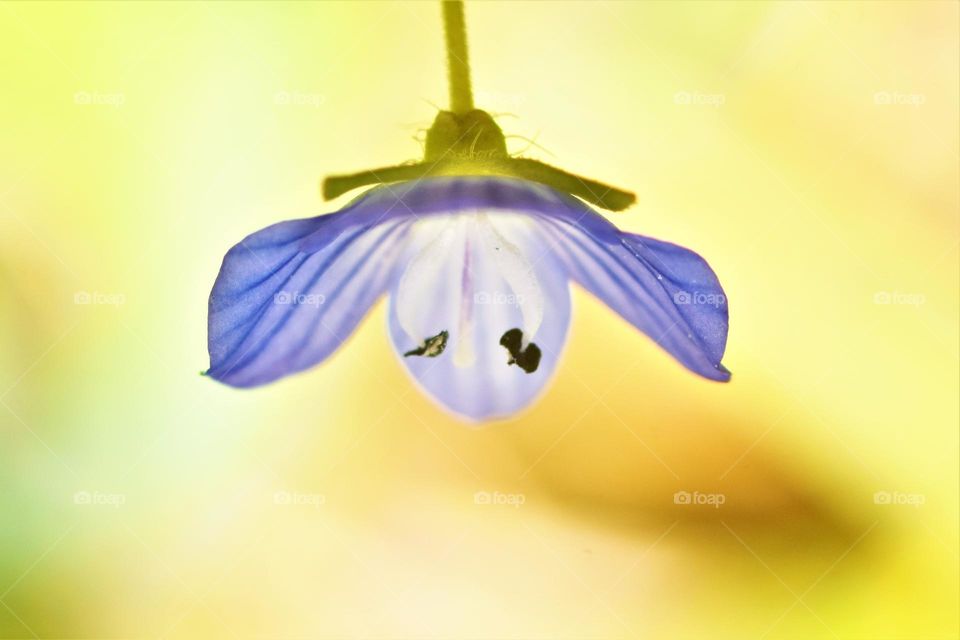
(471, 143)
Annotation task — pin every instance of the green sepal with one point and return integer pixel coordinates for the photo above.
(473, 144)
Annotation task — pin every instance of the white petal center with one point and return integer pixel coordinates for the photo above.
(466, 271)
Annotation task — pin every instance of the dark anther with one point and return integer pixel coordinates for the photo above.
(527, 359)
(432, 346)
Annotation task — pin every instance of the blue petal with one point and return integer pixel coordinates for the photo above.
(289, 295)
(693, 287)
(668, 292)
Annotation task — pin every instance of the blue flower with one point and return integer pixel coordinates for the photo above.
(477, 270)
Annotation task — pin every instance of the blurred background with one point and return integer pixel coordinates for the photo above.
(808, 150)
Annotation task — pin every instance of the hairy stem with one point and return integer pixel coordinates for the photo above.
(458, 66)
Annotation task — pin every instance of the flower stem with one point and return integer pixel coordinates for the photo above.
(458, 66)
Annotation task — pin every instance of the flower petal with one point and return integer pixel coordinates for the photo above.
(472, 279)
(693, 287)
(287, 296)
(668, 292)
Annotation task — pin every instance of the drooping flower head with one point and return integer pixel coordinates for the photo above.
(476, 251)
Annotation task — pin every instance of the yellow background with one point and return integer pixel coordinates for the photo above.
(808, 151)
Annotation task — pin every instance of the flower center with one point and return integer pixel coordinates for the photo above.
(469, 285)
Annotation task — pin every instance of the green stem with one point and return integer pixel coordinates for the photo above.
(458, 66)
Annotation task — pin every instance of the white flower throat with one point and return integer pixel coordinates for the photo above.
(468, 285)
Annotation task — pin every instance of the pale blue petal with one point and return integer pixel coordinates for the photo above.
(482, 384)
